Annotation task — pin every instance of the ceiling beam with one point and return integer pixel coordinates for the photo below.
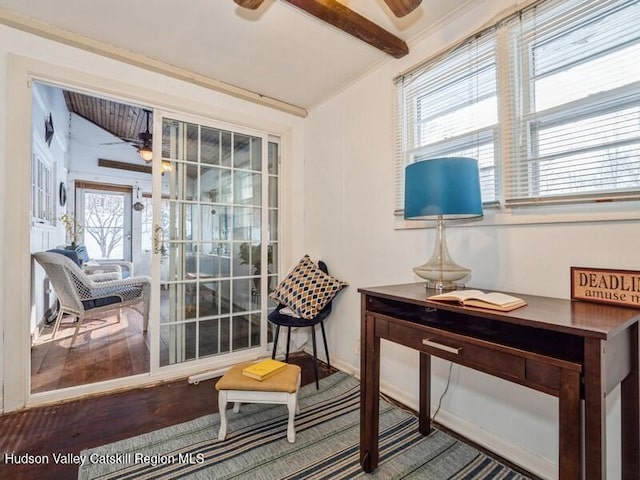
(124, 166)
(342, 17)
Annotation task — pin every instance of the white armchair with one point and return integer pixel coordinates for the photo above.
(80, 295)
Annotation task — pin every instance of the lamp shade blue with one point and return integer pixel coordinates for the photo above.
(442, 188)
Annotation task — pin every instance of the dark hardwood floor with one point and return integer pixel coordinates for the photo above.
(76, 425)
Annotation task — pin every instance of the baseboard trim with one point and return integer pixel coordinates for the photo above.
(527, 460)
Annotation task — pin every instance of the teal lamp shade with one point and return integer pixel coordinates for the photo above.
(440, 189)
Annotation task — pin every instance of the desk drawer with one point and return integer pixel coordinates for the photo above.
(459, 349)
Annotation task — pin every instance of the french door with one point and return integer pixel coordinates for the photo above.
(215, 214)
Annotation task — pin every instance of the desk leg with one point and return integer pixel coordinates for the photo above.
(595, 454)
(424, 413)
(369, 394)
(569, 419)
(630, 405)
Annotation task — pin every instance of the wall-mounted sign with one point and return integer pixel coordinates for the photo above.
(603, 285)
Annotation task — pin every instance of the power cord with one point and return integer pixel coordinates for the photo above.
(444, 392)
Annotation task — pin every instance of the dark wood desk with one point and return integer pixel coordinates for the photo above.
(572, 350)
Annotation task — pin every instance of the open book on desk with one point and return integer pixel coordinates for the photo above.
(480, 299)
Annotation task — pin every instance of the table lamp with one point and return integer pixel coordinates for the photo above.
(442, 189)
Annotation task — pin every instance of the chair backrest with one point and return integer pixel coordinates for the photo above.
(323, 266)
(72, 254)
(68, 280)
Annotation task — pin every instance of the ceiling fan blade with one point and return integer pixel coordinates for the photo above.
(400, 8)
(124, 141)
(250, 4)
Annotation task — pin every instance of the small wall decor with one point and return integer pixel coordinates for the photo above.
(62, 194)
(48, 130)
(603, 285)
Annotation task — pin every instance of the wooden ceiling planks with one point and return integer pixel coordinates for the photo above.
(122, 120)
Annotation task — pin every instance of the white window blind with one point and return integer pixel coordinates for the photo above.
(577, 123)
(547, 100)
(448, 108)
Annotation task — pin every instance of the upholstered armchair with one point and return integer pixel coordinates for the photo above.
(81, 295)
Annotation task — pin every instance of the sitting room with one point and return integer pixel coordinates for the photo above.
(178, 177)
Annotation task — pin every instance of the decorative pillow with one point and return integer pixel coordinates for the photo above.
(307, 289)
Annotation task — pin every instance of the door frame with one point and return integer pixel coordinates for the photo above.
(17, 266)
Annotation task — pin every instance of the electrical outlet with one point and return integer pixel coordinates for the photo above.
(356, 347)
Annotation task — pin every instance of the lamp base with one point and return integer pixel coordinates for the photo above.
(440, 271)
(442, 279)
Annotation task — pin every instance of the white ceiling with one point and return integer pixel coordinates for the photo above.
(278, 50)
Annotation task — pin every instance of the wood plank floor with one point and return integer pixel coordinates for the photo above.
(74, 426)
(104, 349)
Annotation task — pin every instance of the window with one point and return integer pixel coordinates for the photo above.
(449, 109)
(43, 208)
(104, 211)
(548, 101)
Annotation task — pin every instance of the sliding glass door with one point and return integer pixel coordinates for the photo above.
(215, 238)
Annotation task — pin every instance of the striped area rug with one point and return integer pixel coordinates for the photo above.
(326, 447)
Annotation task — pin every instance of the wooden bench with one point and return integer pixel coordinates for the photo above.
(281, 388)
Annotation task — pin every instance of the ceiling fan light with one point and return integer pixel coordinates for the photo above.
(146, 153)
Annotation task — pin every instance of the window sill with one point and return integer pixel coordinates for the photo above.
(561, 214)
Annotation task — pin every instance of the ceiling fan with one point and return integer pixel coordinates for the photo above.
(146, 139)
(143, 143)
(351, 22)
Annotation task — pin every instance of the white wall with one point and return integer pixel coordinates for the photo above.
(350, 224)
(47, 101)
(24, 56)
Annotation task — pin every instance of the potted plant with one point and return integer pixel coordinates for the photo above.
(251, 255)
(73, 228)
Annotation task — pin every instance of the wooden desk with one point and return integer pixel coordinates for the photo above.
(572, 350)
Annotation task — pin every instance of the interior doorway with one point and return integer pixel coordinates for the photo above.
(200, 217)
(86, 178)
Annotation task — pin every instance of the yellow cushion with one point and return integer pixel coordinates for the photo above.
(286, 380)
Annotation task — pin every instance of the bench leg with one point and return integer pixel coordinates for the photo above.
(292, 406)
(222, 406)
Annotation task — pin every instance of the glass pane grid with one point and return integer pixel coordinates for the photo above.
(216, 210)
